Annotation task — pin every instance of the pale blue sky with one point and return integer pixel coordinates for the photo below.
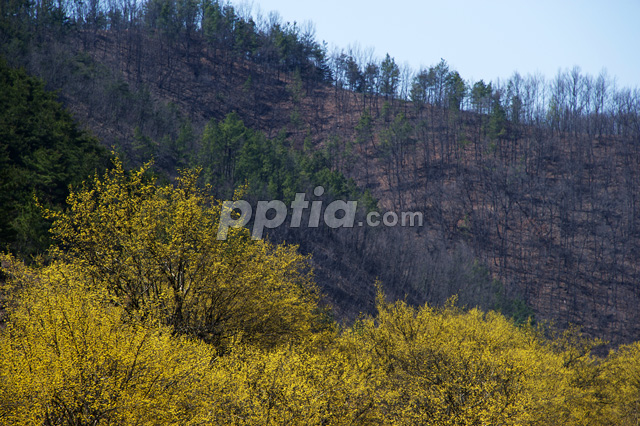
(483, 39)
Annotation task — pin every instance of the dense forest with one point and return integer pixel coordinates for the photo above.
(123, 125)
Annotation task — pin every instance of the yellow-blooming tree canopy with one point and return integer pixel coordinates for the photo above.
(621, 372)
(69, 357)
(155, 249)
(447, 366)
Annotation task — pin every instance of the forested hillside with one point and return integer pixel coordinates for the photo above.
(43, 152)
(268, 116)
(528, 186)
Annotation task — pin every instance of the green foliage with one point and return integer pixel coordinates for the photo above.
(364, 129)
(389, 76)
(283, 46)
(14, 25)
(296, 87)
(481, 96)
(42, 152)
(456, 90)
(143, 147)
(497, 119)
(396, 139)
(420, 87)
(355, 77)
(217, 25)
(232, 155)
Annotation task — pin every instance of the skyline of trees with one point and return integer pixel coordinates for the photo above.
(286, 46)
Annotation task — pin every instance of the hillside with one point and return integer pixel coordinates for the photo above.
(529, 189)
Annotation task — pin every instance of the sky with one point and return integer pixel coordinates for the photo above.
(482, 39)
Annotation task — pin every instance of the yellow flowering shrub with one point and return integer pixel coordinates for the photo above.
(287, 386)
(155, 248)
(69, 358)
(72, 354)
(621, 374)
(450, 367)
